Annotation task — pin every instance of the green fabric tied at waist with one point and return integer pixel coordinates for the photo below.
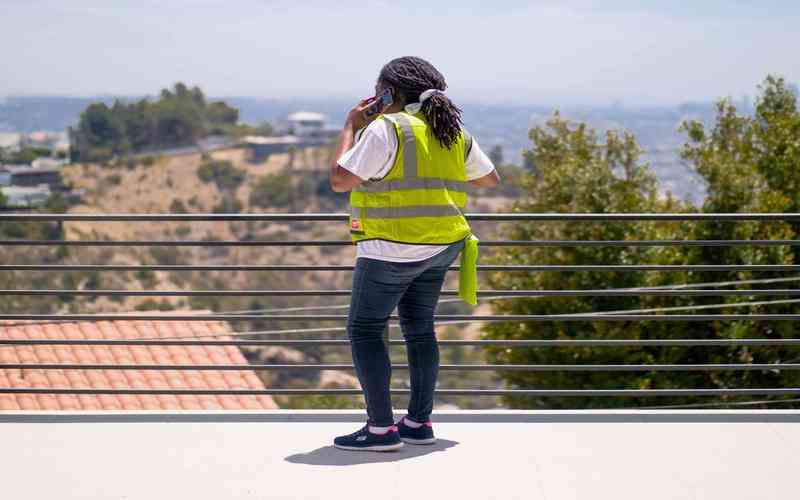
(468, 274)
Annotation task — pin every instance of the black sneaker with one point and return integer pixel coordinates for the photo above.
(364, 440)
(421, 435)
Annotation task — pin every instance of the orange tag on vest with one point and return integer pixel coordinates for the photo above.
(355, 225)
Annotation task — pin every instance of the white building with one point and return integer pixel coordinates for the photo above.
(307, 124)
(262, 147)
(10, 141)
(44, 162)
(26, 196)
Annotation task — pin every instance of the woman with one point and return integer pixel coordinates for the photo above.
(407, 171)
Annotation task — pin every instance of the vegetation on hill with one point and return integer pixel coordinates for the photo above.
(748, 163)
(222, 173)
(179, 117)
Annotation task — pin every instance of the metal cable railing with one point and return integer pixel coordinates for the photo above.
(638, 292)
(658, 315)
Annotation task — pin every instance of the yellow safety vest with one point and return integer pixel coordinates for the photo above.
(421, 199)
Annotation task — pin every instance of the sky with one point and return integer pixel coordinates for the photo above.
(503, 51)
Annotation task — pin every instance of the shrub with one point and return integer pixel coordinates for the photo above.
(228, 205)
(152, 304)
(166, 255)
(273, 190)
(222, 173)
(147, 278)
(177, 206)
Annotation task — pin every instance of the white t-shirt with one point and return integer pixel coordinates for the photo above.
(371, 157)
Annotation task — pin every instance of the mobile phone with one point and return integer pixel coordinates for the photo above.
(381, 102)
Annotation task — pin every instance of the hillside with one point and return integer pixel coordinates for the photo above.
(175, 184)
(172, 184)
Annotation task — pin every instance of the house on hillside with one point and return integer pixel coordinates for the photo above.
(262, 147)
(122, 354)
(311, 128)
(31, 176)
(49, 163)
(306, 123)
(25, 196)
(302, 129)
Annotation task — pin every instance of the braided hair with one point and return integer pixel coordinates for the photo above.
(410, 77)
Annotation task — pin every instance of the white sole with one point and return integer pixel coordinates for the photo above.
(382, 447)
(418, 441)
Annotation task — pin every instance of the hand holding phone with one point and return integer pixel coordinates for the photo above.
(379, 104)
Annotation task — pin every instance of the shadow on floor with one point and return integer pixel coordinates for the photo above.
(328, 455)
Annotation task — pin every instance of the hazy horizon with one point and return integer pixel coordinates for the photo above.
(574, 52)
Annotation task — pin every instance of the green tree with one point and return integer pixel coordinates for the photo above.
(26, 155)
(748, 163)
(179, 117)
(220, 114)
(578, 174)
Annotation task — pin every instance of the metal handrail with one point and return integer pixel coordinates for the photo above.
(442, 317)
(510, 268)
(448, 367)
(318, 243)
(321, 217)
(443, 392)
(632, 292)
(166, 341)
(514, 217)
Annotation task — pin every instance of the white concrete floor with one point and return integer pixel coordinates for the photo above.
(503, 455)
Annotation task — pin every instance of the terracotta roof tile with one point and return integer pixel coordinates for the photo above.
(28, 402)
(146, 379)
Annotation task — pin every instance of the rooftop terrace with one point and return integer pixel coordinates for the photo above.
(212, 455)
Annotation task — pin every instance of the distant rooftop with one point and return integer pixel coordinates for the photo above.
(261, 140)
(306, 116)
(31, 170)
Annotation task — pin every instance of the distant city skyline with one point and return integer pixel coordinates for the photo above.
(571, 51)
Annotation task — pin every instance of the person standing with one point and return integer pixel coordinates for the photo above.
(407, 167)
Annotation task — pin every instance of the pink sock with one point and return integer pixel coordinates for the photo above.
(379, 430)
(411, 423)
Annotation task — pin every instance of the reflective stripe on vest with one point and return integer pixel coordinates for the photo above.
(406, 184)
(410, 211)
(409, 148)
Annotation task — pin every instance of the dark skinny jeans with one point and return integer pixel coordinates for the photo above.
(413, 287)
